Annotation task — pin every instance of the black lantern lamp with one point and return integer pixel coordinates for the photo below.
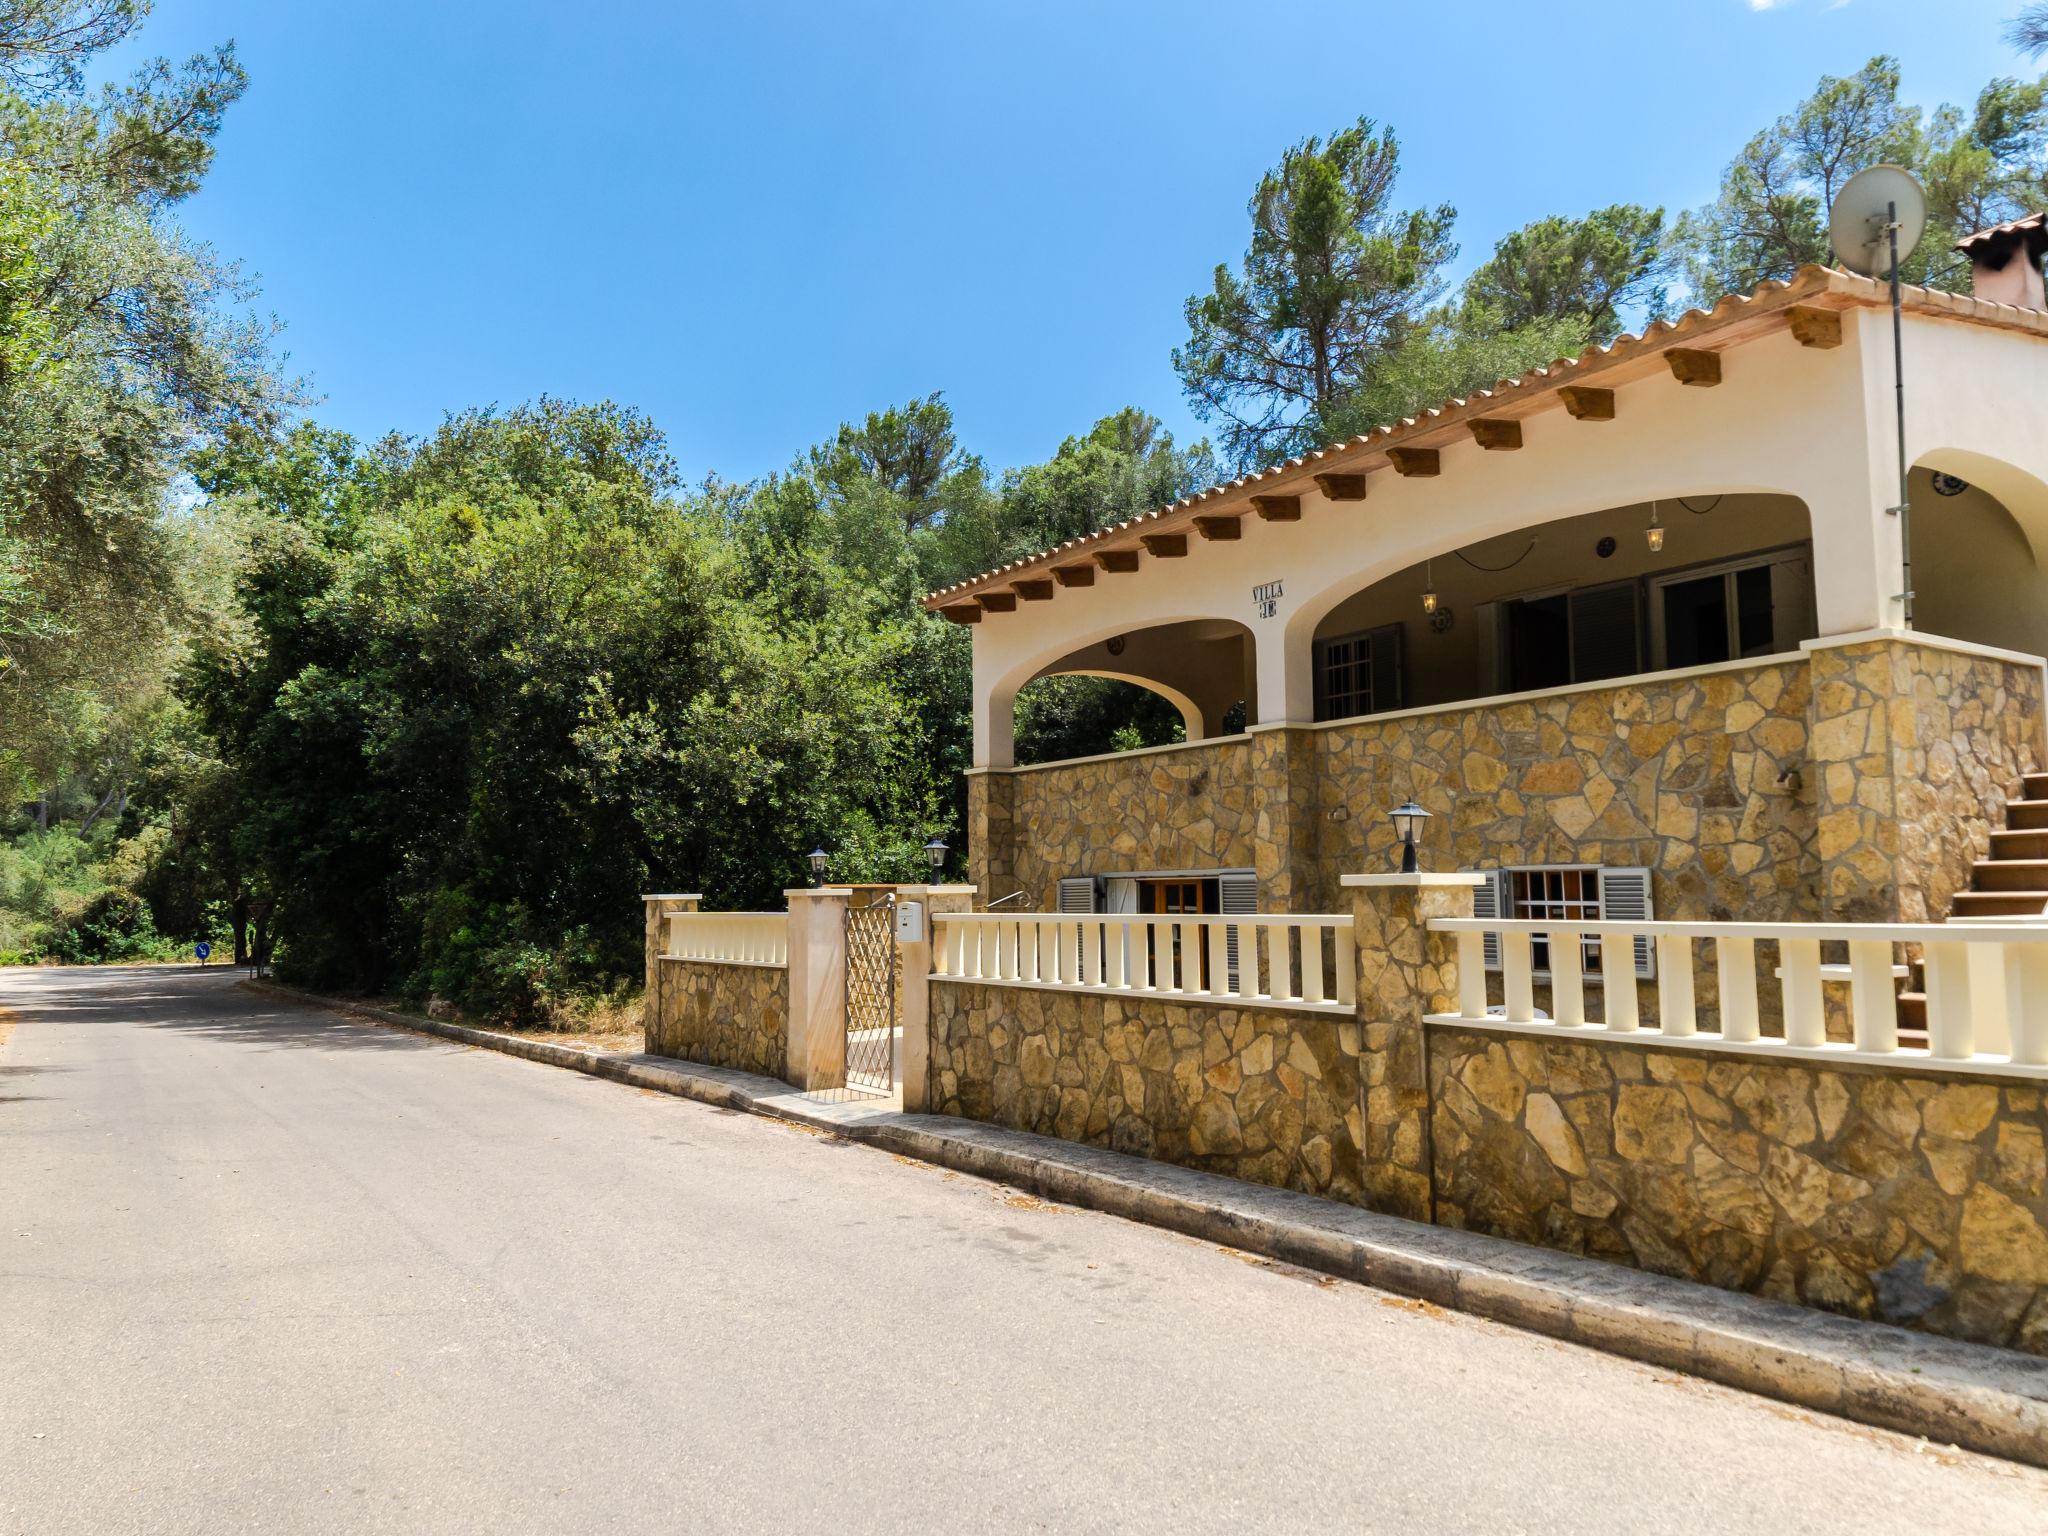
(1408, 818)
(817, 857)
(935, 853)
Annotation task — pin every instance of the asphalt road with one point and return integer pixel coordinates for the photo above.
(265, 1269)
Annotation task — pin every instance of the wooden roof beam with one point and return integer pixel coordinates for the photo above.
(1074, 575)
(1342, 487)
(1164, 546)
(1584, 404)
(1692, 366)
(1036, 590)
(1815, 327)
(962, 613)
(1416, 463)
(1221, 528)
(1117, 559)
(1277, 509)
(1496, 435)
(997, 602)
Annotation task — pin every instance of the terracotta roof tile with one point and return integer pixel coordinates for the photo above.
(1809, 283)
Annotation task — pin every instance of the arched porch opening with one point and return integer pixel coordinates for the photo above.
(1628, 590)
(1132, 690)
(1979, 528)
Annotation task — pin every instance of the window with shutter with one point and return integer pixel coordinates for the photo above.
(1489, 900)
(1077, 894)
(1625, 898)
(1569, 893)
(1237, 896)
(1606, 639)
(1359, 674)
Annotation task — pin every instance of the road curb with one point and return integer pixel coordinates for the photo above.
(1972, 1396)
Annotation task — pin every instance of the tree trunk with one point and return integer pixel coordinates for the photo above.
(238, 913)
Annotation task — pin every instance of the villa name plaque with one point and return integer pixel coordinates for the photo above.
(1266, 599)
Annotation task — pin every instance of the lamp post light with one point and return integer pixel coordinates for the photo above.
(1408, 818)
(935, 853)
(817, 857)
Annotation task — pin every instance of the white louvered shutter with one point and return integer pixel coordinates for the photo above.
(1078, 894)
(1625, 898)
(1490, 899)
(1236, 896)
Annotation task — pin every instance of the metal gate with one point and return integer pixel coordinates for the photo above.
(871, 992)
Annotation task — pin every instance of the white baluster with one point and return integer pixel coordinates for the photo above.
(1518, 977)
(1951, 1019)
(1247, 960)
(1873, 1000)
(1675, 1003)
(1618, 985)
(1094, 936)
(1312, 990)
(2026, 1001)
(1806, 1020)
(1987, 1001)
(1027, 949)
(1116, 937)
(1735, 970)
(1217, 948)
(1344, 944)
(1472, 975)
(1567, 977)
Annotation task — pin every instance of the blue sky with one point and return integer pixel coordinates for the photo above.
(754, 221)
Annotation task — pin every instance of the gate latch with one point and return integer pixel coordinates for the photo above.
(909, 922)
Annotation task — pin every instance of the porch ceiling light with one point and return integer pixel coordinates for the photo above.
(935, 853)
(1408, 818)
(1429, 587)
(1655, 532)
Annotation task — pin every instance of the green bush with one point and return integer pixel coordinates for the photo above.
(113, 925)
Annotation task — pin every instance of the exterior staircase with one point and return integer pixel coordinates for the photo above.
(2012, 881)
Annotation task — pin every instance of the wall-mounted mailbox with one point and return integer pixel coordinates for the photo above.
(909, 922)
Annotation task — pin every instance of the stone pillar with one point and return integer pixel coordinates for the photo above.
(817, 987)
(991, 852)
(914, 999)
(1284, 780)
(1405, 973)
(657, 909)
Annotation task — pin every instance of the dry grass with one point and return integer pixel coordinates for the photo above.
(611, 1025)
(8, 1019)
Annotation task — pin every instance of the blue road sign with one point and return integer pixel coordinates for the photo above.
(202, 949)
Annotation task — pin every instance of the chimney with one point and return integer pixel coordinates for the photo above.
(2005, 262)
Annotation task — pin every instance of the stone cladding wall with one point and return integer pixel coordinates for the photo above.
(1261, 1094)
(1915, 751)
(1912, 1197)
(733, 1016)
(1682, 777)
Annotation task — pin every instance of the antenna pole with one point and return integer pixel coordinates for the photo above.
(1903, 511)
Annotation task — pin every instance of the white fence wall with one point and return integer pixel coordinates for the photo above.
(1987, 986)
(1258, 960)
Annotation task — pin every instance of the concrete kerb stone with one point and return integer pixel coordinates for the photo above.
(1969, 1395)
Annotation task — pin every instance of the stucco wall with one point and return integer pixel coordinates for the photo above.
(733, 1016)
(1261, 1094)
(1906, 1196)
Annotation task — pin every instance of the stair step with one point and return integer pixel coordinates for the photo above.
(2035, 785)
(2020, 843)
(2011, 875)
(2021, 815)
(2001, 903)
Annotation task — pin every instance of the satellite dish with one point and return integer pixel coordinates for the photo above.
(1859, 222)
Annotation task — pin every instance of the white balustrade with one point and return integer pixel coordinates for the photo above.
(1263, 960)
(1986, 993)
(729, 938)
